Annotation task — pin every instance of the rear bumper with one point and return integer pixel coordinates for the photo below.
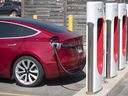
(71, 61)
(54, 70)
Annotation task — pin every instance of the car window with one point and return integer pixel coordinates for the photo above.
(8, 30)
(53, 28)
(7, 4)
(1, 4)
(50, 27)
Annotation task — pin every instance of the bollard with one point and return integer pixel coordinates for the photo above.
(70, 23)
(35, 17)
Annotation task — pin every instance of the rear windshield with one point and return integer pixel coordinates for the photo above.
(48, 26)
(52, 28)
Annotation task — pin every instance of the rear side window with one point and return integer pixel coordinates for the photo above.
(8, 30)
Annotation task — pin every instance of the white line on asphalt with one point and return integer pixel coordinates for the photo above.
(13, 94)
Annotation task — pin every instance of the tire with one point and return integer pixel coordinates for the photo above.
(28, 72)
(13, 14)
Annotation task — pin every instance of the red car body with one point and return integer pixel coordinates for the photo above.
(38, 46)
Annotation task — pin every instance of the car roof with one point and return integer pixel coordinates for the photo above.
(26, 21)
(20, 19)
(37, 23)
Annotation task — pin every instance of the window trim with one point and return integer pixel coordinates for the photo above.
(9, 22)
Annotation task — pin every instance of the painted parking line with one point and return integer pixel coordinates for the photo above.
(13, 94)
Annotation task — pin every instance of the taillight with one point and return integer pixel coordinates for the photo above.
(67, 45)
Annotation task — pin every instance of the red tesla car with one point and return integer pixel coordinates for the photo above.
(32, 50)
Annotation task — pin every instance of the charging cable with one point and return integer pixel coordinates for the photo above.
(59, 62)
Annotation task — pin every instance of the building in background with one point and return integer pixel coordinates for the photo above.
(2, 1)
(57, 11)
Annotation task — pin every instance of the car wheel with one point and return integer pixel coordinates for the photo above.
(13, 14)
(28, 71)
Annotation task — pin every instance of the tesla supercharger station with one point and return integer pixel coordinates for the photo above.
(127, 35)
(112, 39)
(95, 34)
(122, 35)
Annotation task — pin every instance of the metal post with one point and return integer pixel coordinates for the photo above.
(35, 17)
(70, 23)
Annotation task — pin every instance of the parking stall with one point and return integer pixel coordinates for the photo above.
(104, 40)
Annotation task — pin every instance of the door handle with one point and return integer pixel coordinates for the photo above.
(12, 44)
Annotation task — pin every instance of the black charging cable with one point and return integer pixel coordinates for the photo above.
(59, 62)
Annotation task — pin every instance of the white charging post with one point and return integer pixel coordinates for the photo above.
(127, 35)
(122, 35)
(95, 50)
(112, 39)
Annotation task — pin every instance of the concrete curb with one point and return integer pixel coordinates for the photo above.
(108, 85)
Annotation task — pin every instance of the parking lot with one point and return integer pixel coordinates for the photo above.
(27, 69)
(121, 89)
(64, 86)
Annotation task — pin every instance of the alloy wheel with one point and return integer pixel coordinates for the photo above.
(26, 72)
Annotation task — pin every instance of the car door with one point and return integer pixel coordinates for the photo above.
(9, 43)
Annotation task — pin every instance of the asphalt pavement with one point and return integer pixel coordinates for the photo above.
(64, 86)
(121, 89)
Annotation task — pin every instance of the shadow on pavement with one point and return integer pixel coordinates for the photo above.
(9, 81)
(68, 79)
(65, 80)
